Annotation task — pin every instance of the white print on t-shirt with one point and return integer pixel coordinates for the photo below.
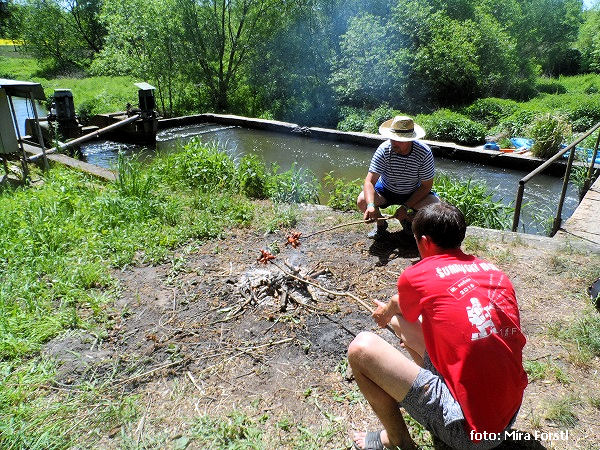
(462, 287)
(481, 318)
(451, 269)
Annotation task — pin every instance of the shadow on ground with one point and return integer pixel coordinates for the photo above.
(393, 245)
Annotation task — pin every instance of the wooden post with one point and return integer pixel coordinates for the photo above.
(19, 139)
(39, 130)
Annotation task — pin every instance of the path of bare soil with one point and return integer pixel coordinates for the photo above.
(213, 332)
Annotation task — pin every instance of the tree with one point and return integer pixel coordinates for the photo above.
(548, 29)
(366, 72)
(141, 41)
(589, 41)
(84, 16)
(218, 37)
(66, 34)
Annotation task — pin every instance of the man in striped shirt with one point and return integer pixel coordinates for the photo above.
(401, 173)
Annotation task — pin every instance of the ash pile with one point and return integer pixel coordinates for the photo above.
(284, 288)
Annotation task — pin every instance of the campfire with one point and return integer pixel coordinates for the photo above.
(282, 287)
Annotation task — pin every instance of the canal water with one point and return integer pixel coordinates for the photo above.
(347, 161)
(24, 110)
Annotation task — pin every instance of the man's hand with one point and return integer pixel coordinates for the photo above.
(383, 313)
(371, 214)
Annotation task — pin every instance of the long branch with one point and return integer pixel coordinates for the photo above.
(358, 222)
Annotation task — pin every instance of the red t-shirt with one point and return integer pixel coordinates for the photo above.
(472, 333)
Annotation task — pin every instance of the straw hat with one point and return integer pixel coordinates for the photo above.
(401, 128)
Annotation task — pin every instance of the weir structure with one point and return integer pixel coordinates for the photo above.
(11, 141)
(134, 123)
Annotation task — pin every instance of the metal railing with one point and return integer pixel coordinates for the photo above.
(558, 219)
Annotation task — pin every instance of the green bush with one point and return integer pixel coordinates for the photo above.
(252, 176)
(473, 199)
(451, 126)
(516, 123)
(550, 86)
(585, 113)
(547, 132)
(377, 117)
(342, 193)
(489, 111)
(202, 166)
(353, 119)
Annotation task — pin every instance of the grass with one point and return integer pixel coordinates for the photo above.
(60, 240)
(562, 413)
(238, 430)
(545, 370)
(92, 95)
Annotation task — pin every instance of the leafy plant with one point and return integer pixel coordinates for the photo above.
(252, 176)
(353, 119)
(516, 123)
(377, 117)
(547, 132)
(131, 180)
(550, 86)
(342, 193)
(451, 126)
(206, 167)
(475, 201)
(296, 185)
(489, 111)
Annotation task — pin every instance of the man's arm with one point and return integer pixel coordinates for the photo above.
(372, 212)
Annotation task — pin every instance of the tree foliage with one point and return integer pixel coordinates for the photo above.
(141, 42)
(66, 34)
(306, 60)
(588, 41)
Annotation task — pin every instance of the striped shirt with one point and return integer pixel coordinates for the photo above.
(403, 174)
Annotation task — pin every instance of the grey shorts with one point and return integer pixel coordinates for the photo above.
(430, 403)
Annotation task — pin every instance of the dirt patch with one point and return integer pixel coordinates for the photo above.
(191, 340)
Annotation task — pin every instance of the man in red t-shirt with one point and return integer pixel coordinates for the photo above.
(457, 316)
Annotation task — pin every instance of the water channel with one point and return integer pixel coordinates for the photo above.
(346, 161)
(343, 160)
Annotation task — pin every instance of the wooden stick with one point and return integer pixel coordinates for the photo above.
(358, 222)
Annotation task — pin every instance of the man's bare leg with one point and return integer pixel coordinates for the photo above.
(384, 376)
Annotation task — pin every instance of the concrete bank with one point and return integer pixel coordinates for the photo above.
(585, 221)
(91, 169)
(444, 149)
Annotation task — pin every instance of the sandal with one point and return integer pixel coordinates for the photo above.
(372, 441)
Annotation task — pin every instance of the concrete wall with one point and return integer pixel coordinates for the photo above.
(444, 149)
